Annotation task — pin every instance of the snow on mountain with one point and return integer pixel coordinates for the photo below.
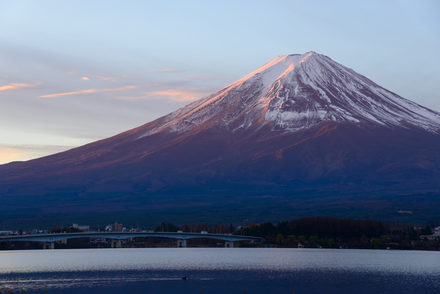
(298, 91)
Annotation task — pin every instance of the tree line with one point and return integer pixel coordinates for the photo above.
(323, 232)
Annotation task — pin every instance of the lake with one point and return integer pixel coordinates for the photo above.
(220, 270)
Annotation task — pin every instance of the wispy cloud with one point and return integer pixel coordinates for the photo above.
(17, 86)
(173, 95)
(90, 91)
(176, 95)
(104, 78)
(170, 70)
(88, 76)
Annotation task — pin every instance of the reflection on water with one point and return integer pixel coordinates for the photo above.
(220, 270)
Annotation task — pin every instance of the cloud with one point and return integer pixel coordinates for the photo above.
(176, 95)
(173, 95)
(104, 78)
(170, 70)
(87, 77)
(17, 86)
(89, 91)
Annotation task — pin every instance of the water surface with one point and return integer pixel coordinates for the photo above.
(220, 270)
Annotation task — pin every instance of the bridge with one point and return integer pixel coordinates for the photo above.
(48, 240)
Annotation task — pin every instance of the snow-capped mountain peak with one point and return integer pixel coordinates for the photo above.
(276, 68)
(298, 91)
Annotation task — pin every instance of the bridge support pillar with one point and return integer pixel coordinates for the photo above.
(229, 244)
(181, 243)
(116, 243)
(48, 245)
(64, 242)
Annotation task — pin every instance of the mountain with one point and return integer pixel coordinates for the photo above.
(301, 135)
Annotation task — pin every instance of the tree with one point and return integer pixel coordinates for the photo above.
(166, 227)
(56, 230)
(279, 239)
(426, 230)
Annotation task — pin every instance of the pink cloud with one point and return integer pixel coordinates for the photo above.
(17, 86)
(89, 91)
(173, 95)
(176, 95)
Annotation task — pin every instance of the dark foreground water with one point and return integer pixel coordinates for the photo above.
(222, 270)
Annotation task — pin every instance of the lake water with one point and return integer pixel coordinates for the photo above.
(220, 270)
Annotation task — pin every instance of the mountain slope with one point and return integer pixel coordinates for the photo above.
(301, 127)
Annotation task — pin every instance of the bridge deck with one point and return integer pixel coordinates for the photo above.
(123, 235)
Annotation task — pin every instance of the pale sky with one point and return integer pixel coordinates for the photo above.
(72, 72)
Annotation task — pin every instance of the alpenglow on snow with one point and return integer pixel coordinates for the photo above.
(298, 91)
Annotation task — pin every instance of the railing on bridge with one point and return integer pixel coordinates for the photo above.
(116, 237)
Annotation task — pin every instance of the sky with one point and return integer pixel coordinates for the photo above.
(73, 72)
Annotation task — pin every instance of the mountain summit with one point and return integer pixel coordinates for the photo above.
(300, 135)
(298, 91)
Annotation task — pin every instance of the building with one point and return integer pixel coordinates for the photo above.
(83, 228)
(115, 227)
